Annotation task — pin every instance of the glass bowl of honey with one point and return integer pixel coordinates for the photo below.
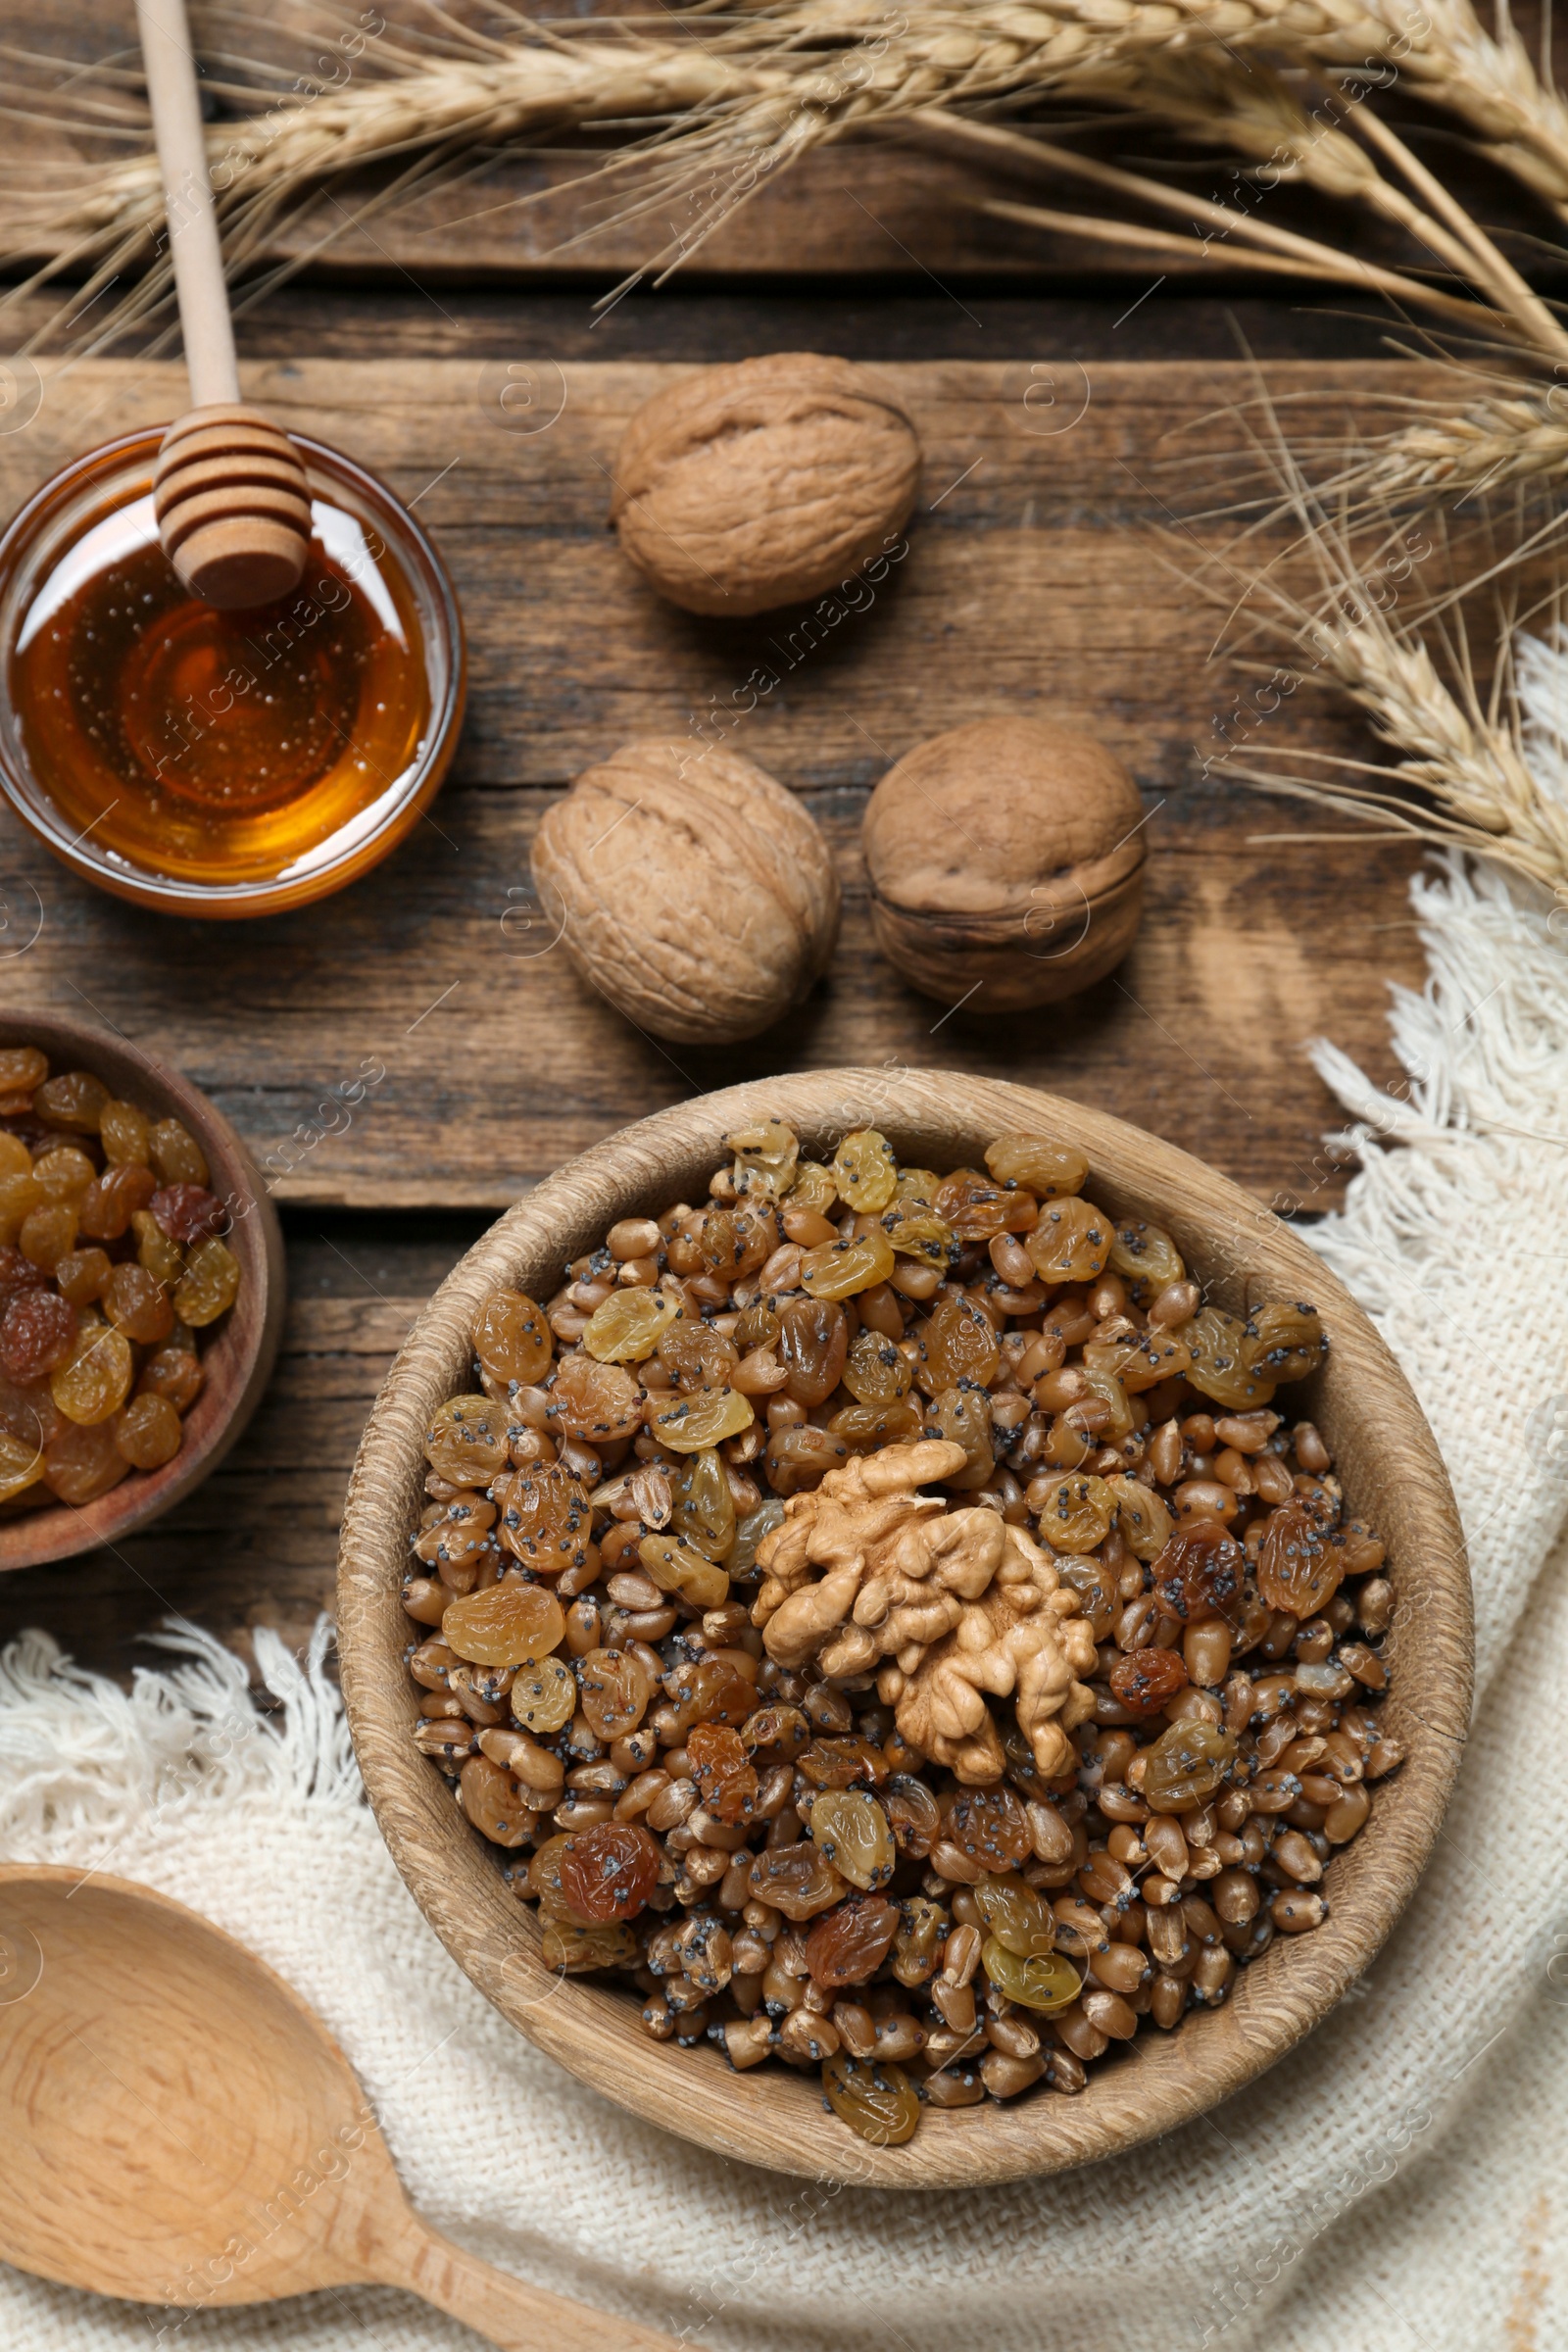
(222, 763)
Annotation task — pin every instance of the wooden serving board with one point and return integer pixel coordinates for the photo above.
(1036, 581)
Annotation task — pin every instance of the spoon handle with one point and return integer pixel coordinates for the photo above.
(515, 2316)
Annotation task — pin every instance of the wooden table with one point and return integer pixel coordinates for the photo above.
(1044, 576)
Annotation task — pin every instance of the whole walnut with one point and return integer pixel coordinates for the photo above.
(744, 488)
(691, 889)
(1006, 864)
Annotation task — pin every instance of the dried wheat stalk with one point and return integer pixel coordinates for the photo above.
(768, 81)
(1461, 750)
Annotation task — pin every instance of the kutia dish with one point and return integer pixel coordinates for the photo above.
(947, 1797)
(140, 1289)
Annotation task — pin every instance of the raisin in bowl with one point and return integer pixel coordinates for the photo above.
(909, 1629)
(142, 1289)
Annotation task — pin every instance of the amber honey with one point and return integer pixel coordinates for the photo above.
(221, 748)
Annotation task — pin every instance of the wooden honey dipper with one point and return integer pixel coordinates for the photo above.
(229, 492)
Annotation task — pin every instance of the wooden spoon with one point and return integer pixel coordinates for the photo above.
(177, 2128)
(229, 492)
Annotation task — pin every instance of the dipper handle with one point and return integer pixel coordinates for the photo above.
(232, 504)
(170, 64)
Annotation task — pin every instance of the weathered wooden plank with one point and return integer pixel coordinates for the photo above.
(1034, 581)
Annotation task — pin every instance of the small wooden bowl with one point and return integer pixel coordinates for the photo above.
(238, 1354)
(1392, 1476)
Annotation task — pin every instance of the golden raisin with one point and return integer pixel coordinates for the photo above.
(914, 1231)
(82, 1463)
(22, 1068)
(703, 1420)
(709, 1691)
(1297, 1569)
(812, 1346)
(148, 1431)
(49, 1234)
(795, 1879)
(20, 1196)
(64, 1173)
(876, 2101)
(1075, 1512)
(20, 1465)
(544, 1695)
(1222, 1360)
(849, 1944)
(504, 1625)
(1040, 1166)
(81, 1274)
(696, 1356)
(176, 1155)
(1071, 1242)
(512, 1339)
(96, 1379)
(865, 1170)
(1286, 1341)
(1198, 1574)
(875, 1371)
(963, 1417)
(1043, 1982)
(599, 1403)
(125, 1134)
(614, 1693)
(675, 1567)
(466, 1442)
(958, 1343)
(628, 1326)
(1018, 1918)
(1148, 1256)
(851, 1832)
(978, 1207)
(867, 1427)
(138, 1306)
(839, 1269)
(109, 1203)
(701, 1506)
(544, 1518)
(799, 1458)
(990, 1826)
(163, 1258)
(1186, 1765)
(572, 1950)
(174, 1373)
(725, 1776)
(209, 1286)
(767, 1156)
(76, 1098)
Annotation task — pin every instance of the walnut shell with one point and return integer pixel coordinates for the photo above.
(744, 488)
(692, 890)
(1004, 863)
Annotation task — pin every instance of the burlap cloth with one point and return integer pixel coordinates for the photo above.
(1396, 2186)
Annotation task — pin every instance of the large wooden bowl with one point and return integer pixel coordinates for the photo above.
(237, 1353)
(1391, 1474)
